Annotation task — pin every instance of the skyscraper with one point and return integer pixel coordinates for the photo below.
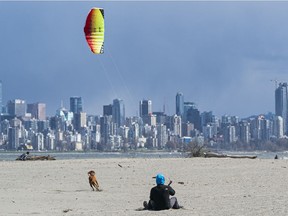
(192, 115)
(79, 120)
(76, 104)
(118, 112)
(107, 110)
(179, 104)
(16, 107)
(187, 106)
(281, 104)
(145, 108)
(37, 110)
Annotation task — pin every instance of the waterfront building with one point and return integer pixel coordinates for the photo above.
(281, 104)
(260, 128)
(76, 105)
(230, 134)
(278, 127)
(38, 141)
(13, 138)
(244, 132)
(49, 142)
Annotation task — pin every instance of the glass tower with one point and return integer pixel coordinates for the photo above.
(16, 107)
(118, 112)
(281, 104)
(145, 107)
(179, 104)
(76, 104)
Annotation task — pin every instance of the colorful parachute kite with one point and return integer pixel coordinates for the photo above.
(94, 30)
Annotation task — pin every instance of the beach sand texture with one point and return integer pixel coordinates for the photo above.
(204, 186)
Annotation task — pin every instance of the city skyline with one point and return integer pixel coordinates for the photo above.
(145, 107)
(220, 55)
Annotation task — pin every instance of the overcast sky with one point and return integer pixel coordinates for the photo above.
(220, 55)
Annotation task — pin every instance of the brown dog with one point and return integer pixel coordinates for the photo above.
(93, 181)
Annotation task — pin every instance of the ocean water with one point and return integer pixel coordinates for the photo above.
(10, 156)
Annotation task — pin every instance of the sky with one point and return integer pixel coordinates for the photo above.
(223, 56)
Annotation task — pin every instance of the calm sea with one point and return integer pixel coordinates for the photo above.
(10, 156)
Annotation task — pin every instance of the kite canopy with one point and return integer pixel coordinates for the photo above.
(94, 30)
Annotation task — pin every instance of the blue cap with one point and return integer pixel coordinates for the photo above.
(160, 179)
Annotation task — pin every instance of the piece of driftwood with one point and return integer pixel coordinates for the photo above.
(211, 154)
(34, 158)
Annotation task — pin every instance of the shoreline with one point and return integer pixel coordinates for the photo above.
(71, 155)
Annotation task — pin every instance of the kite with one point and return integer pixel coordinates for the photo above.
(94, 30)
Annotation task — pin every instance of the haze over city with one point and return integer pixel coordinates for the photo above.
(221, 55)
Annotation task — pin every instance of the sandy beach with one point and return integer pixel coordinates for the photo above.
(204, 186)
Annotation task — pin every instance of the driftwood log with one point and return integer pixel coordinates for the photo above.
(211, 154)
(34, 158)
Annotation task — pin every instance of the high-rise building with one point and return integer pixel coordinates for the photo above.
(177, 125)
(206, 118)
(192, 115)
(281, 104)
(13, 138)
(79, 120)
(150, 120)
(106, 128)
(230, 134)
(76, 104)
(278, 127)
(16, 107)
(107, 110)
(187, 106)
(244, 132)
(37, 110)
(145, 108)
(179, 104)
(118, 112)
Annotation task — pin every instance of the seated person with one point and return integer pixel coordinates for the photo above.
(160, 196)
(23, 156)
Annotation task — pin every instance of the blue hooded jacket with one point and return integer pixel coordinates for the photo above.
(160, 179)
